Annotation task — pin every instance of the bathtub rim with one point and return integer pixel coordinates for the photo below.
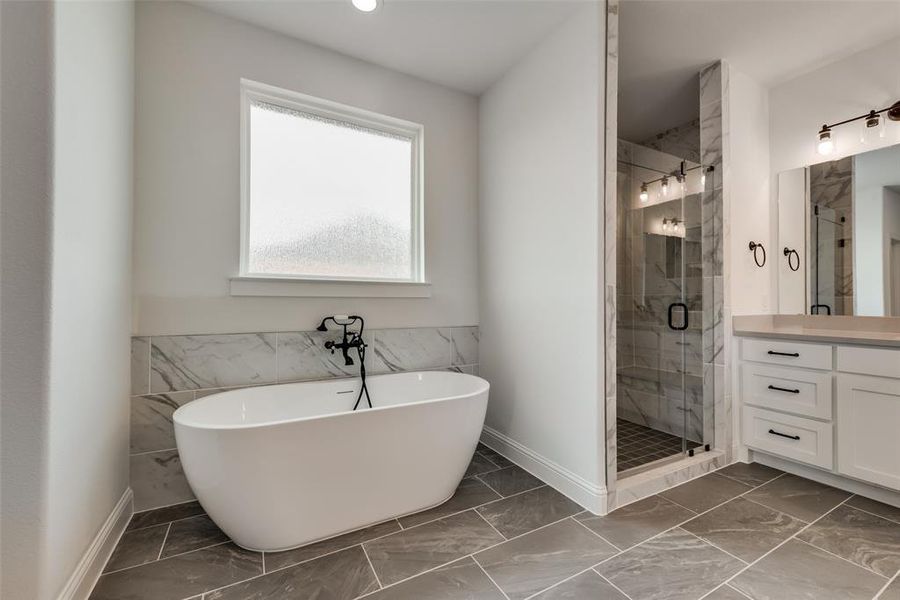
(484, 388)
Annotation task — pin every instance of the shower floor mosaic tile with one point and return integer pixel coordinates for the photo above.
(745, 531)
(639, 445)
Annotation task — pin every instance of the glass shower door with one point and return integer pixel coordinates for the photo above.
(662, 415)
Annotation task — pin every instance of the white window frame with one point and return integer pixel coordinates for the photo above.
(249, 283)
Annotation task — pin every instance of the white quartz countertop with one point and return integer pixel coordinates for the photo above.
(869, 331)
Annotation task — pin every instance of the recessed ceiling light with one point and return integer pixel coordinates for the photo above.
(365, 5)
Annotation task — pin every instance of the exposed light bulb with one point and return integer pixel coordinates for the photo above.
(365, 5)
(665, 225)
(826, 144)
(873, 128)
(665, 186)
(645, 195)
(702, 178)
(680, 179)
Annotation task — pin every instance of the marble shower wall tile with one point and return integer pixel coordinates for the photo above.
(210, 361)
(464, 347)
(413, 349)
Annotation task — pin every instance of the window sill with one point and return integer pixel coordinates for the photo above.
(315, 288)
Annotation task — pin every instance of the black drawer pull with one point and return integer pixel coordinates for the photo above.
(794, 354)
(790, 437)
(781, 389)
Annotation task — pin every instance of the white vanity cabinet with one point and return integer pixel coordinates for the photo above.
(832, 406)
(868, 414)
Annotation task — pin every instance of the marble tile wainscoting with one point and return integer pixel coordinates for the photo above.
(170, 371)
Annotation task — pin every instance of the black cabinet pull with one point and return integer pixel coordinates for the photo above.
(794, 354)
(790, 437)
(781, 389)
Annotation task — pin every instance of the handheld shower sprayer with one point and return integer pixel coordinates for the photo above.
(350, 339)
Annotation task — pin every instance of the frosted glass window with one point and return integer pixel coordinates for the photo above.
(329, 198)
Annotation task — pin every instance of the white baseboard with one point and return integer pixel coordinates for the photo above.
(86, 574)
(591, 496)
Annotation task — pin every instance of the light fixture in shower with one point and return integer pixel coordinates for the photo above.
(873, 127)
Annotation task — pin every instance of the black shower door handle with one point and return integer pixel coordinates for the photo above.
(672, 307)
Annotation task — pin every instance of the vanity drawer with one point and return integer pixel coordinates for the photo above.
(796, 438)
(795, 354)
(869, 361)
(797, 391)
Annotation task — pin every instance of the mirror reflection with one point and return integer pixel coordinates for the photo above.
(852, 208)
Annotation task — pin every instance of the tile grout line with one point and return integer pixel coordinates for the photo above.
(619, 550)
(371, 566)
(741, 560)
(558, 583)
(721, 586)
(868, 512)
(488, 575)
(606, 579)
(475, 508)
(163, 545)
(847, 560)
(680, 524)
(794, 536)
(491, 525)
(886, 586)
(470, 555)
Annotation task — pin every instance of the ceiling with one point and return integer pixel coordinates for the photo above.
(463, 44)
(664, 43)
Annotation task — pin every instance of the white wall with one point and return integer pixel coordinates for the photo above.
(25, 159)
(749, 214)
(90, 309)
(874, 220)
(837, 91)
(540, 216)
(67, 309)
(189, 64)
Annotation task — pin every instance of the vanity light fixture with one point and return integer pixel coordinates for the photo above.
(365, 6)
(645, 195)
(826, 144)
(872, 128)
(665, 186)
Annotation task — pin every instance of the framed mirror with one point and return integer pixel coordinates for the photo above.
(839, 236)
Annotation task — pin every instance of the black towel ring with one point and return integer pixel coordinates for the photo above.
(790, 253)
(753, 248)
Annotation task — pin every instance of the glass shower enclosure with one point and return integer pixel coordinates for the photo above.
(664, 282)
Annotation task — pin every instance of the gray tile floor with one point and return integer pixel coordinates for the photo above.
(746, 531)
(639, 445)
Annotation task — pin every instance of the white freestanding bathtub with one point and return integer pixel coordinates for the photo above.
(281, 466)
